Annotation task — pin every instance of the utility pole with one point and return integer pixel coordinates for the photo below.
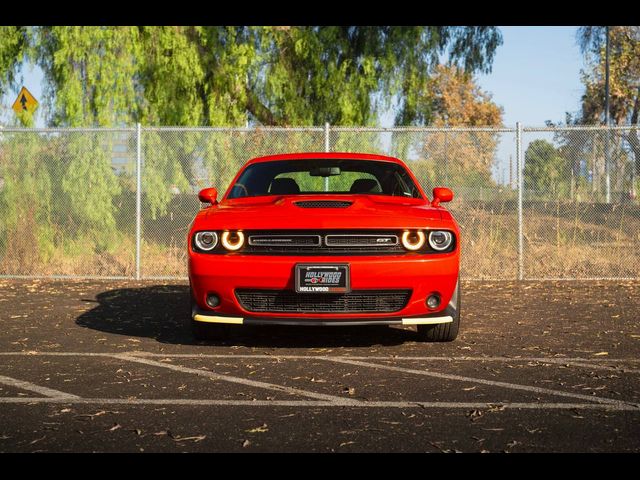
(606, 120)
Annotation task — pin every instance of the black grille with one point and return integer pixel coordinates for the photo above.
(355, 240)
(284, 241)
(332, 242)
(323, 204)
(357, 301)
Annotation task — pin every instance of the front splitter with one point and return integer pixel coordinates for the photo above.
(200, 316)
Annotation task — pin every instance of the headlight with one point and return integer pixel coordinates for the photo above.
(413, 240)
(440, 239)
(233, 240)
(206, 241)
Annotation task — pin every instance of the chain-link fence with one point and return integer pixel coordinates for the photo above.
(532, 203)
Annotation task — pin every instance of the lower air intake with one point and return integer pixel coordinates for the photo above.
(357, 301)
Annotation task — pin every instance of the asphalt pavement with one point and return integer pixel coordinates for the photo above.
(110, 367)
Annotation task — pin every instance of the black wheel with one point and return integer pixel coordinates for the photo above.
(444, 332)
(204, 330)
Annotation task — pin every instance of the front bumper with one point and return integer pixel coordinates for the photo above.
(422, 274)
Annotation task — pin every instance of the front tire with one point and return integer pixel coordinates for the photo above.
(444, 332)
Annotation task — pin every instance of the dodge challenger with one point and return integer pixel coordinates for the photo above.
(325, 239)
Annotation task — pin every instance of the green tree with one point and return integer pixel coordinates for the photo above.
(13, 45)
(624, 83)
(453, 157)
(107, 75)
(26, 233)
(546, 172)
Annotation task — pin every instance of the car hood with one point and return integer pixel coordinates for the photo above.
(281, 212)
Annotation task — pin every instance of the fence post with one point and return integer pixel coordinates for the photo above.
(138, 197)
(327, 145)
(520, 184)
(327, 148)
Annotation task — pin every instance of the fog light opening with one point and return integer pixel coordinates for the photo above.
(433, 301)
(213, 300)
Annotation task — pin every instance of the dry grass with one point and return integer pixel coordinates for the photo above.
(560, 241)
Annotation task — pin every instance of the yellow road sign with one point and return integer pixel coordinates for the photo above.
(25, 102)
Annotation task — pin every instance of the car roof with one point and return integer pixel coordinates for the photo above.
(321, 155)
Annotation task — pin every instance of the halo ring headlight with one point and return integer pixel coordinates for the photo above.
(413, 240)
(206, 241)
(230, 243)
(440, 240)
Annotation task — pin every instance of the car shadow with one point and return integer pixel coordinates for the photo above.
(162, 312)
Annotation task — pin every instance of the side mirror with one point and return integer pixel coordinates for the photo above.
(441, 195)
(208, 195)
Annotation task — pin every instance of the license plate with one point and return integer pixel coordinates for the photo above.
(322, 278)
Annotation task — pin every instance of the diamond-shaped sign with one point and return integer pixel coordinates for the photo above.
(25, 102)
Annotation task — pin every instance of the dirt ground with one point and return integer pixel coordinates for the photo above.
(110, 366)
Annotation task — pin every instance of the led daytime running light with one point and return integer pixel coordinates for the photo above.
(412, 245)
(231, 246)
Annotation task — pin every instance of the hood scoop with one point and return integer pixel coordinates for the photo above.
(323, 204)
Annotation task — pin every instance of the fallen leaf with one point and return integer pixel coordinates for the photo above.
(496, 408)
(261, 429)
(474, 414)
(116, 426)
(197, 438)
(37, 440)
(92, 415)
(246, 443)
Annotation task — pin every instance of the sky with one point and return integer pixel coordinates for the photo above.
(536, 74)
(535, 77)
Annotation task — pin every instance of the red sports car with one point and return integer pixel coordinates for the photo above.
(325, 239)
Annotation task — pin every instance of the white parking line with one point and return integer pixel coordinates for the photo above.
(32, 387)
(512, 386)
(322, 400)
(242, 381)
(315, 404)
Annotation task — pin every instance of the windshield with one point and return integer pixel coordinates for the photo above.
(324, 176)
